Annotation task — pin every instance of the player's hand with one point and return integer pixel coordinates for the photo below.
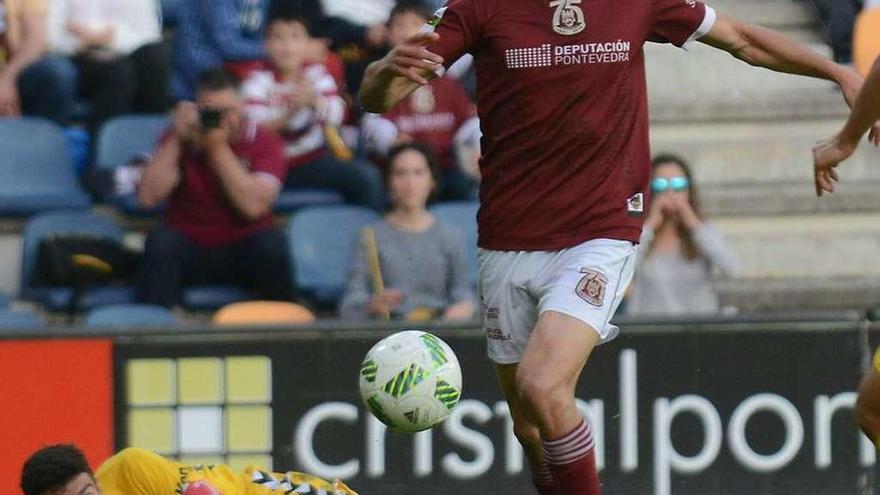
(827, 155)
(10, 103)
(385, 302)
(850, 86)
(411, 59)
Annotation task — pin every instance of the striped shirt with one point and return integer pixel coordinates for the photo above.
(266, 95)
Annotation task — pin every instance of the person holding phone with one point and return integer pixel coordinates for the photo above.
(679, 251)
(220, 174)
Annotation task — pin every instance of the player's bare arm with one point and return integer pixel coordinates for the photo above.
(392, 78)
(828, 154)
(762, 47)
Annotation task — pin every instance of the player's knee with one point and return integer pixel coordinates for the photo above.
(541, 396)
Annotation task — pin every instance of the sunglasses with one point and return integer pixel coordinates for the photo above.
(661, 184)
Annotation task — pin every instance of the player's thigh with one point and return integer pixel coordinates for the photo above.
(555, 354)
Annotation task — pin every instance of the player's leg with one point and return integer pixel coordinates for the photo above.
(580, 289)
(525, 430)
(868, 403)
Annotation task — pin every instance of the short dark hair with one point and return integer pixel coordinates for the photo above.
(410, 7)
(50, 468)
(420, 148)
(217, 80)
(285, 13)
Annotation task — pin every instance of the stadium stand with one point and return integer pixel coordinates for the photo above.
(462, 214)
(321, 241)
(211, 297)
(36, 177)
(67, 222)
(130, 315)
(19, 320)
(263, 313)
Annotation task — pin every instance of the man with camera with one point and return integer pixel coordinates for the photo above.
(220, 174)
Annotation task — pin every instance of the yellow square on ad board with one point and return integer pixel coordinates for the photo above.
(249, 379)
(151, 382)
(240, 461)
(152, 429)
(248, 428)
(200, 381)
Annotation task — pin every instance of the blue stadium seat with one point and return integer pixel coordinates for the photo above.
(36, 169)
(130, 315)
(123, 138)
(212, 297)
(19, 320)
(67, 222)
(463, 214)
(296, 198)
(321, 241)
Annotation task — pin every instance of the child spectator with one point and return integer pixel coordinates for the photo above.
(439, 114)
(121, 64)
(220, 174)
(300, 100)
(678, 250)
(421, 259)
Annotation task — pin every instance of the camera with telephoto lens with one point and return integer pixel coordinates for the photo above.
(210, 118)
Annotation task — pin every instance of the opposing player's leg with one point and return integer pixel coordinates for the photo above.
(868, 403)
(546, 379)
(525, 430)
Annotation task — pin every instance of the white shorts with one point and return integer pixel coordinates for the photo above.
(586, 282)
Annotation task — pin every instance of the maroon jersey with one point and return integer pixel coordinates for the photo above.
(199, 208)
(432, 114)
(563, 107)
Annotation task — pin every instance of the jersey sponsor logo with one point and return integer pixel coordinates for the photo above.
(635, 205)
(568, 18)
(591, 287)
(547, 55)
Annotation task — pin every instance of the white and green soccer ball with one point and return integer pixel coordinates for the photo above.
(411, 381)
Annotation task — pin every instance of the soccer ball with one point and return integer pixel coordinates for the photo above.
(410, 381)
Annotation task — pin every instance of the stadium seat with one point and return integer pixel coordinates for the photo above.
(296, 198)
(19, 320)
(122, 139)
(67, 222)
(37, 172)
(130, 315)
(463, 214)
(263, 313)
(212, 297)
(321, 241)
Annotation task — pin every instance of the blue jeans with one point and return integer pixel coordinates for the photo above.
(48, 89)
(359, 182)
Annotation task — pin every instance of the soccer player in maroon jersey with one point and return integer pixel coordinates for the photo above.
(562, 102)
(827, 155)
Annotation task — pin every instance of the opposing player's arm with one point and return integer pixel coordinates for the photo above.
(392, 78)
(762, 47)
(829, 153)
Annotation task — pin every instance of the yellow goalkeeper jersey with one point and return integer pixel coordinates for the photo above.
(136, 471)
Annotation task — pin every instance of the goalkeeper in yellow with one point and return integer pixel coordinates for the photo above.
(63, 470)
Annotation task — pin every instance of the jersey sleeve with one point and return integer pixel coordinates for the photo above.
(459, 26)
(681, 22)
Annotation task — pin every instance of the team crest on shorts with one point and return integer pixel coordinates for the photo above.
(568, 18)
(591, 287)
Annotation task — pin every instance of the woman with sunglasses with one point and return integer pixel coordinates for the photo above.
(678, 250)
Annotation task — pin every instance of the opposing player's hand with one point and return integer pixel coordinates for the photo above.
(827, 155)
(411, 59)
(850, 86)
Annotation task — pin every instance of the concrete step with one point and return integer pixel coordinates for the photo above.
(787, 199)
(800, 293)
(760, 152)
(808, 246)
(778, 14)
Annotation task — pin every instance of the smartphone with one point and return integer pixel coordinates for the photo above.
(210, 118)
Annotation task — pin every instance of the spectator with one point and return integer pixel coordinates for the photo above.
(300, 100)
(213, 32)
(121, 64)
(220, 174)
(839, 17)
(439, 114)
(422, 259)
(27, 82)
(678, 250)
